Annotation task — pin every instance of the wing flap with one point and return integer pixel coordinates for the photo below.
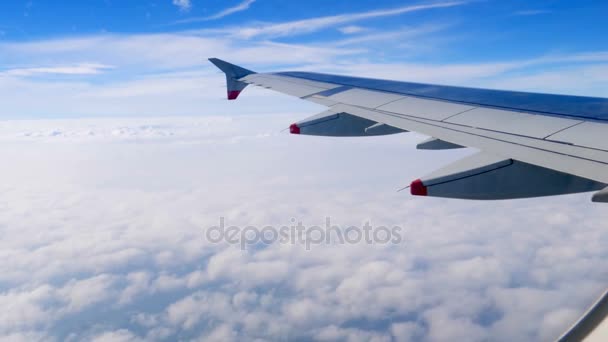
(337, 124)
(484, 176)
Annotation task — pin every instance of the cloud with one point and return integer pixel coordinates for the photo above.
(176, 73)
(243, 6)
(316, 24)
(183, 5)
(403, 35)
(531, 12)
(83, 293)
(176, 51)
(112, 247)
(351, 29)
(121, 335)
(78, 69)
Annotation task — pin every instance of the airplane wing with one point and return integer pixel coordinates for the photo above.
(592, 326)
(530, 144)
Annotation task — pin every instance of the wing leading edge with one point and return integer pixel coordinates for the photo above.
(532, 144)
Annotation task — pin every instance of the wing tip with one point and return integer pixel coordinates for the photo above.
(233, 94)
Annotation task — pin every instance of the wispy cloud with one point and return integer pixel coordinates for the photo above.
(401, 34)
(531, 12)
(316, 24)
(228, 11)
(184, 5)
(78, 69)
(243, 6)
(351, 29)
(176, 80)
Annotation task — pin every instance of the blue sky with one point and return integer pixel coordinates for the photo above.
(115, 58)
(512, 28)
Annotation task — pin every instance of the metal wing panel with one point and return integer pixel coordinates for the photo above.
(262, 78)
(322, 100)
(311, 83)
(428, 109)
(531, 125)
(283, 86)
(587, 134)
(365, 98)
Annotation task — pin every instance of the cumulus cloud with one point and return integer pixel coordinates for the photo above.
(120, 335)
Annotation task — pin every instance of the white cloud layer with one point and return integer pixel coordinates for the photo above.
(103, 239)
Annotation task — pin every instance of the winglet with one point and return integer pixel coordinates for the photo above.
(233, 74)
